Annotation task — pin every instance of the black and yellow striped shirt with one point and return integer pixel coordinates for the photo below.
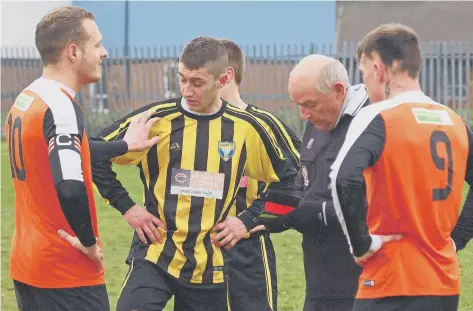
(290, 145)
(190, 180)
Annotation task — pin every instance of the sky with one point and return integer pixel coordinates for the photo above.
(245, 22)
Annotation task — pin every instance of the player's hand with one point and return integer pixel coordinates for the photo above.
(257, 229)
(94, 252)
(144, 222)
(230, 231)
(137, 134)
(376, 244)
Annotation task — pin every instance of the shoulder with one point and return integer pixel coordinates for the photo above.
(243, 116)
(162, 108)
(65, 114)
(267, 117)
(261, 112)
(369, 112)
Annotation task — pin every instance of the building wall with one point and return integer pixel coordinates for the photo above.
(432, 20)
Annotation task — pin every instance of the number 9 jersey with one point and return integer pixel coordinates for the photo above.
(47, 145)
(407, 157)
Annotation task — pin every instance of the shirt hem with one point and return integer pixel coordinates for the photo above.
(39, 284)
(189, 281)
(409, 294)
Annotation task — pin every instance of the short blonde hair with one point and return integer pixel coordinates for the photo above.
(57, 29)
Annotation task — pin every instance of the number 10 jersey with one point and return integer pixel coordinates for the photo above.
(47, 144)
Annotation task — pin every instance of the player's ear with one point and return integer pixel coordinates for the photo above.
(230, 73)
(73, 52)
(222, 80)
(380, 71)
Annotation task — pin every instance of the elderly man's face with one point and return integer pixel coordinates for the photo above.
(320, 108)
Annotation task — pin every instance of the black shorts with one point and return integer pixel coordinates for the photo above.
(252, 274)
(87, 298)
(408, 303)
(148, 288)
(333, 304)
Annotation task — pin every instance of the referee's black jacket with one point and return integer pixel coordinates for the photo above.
(330, 269)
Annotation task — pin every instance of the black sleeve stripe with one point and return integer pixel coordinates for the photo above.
(49, 126)
(118, 128)
(79, 118)
(268, 141)
(283, 136)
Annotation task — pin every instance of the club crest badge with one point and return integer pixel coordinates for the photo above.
(226, 149)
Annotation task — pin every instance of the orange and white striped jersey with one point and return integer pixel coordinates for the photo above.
(44, 118)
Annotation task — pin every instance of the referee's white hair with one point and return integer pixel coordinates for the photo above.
(330, 71)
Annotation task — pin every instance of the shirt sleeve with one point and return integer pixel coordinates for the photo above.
(116, 132)
(63, 129)
(360, 151)
(266, 162)
(107, 183)
(106, 150)
(287, 140)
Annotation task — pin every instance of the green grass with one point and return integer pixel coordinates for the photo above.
(116, 236)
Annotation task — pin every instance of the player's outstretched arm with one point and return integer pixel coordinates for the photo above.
(311, 214)
(269, 164)
(290, 145)
(136, 138)
(265, 162)
(133, 129)
(463, 231)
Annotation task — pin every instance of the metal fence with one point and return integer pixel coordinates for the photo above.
(149, 74)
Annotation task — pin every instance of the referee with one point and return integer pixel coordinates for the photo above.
(319, 86)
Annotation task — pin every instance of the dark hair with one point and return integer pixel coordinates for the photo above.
(393, 42)
(205, 52)
(236, 59)
(57, 29)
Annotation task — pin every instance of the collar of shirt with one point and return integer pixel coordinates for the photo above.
(62, 86)
(411, 96)
(354, 99)
(185, 106)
